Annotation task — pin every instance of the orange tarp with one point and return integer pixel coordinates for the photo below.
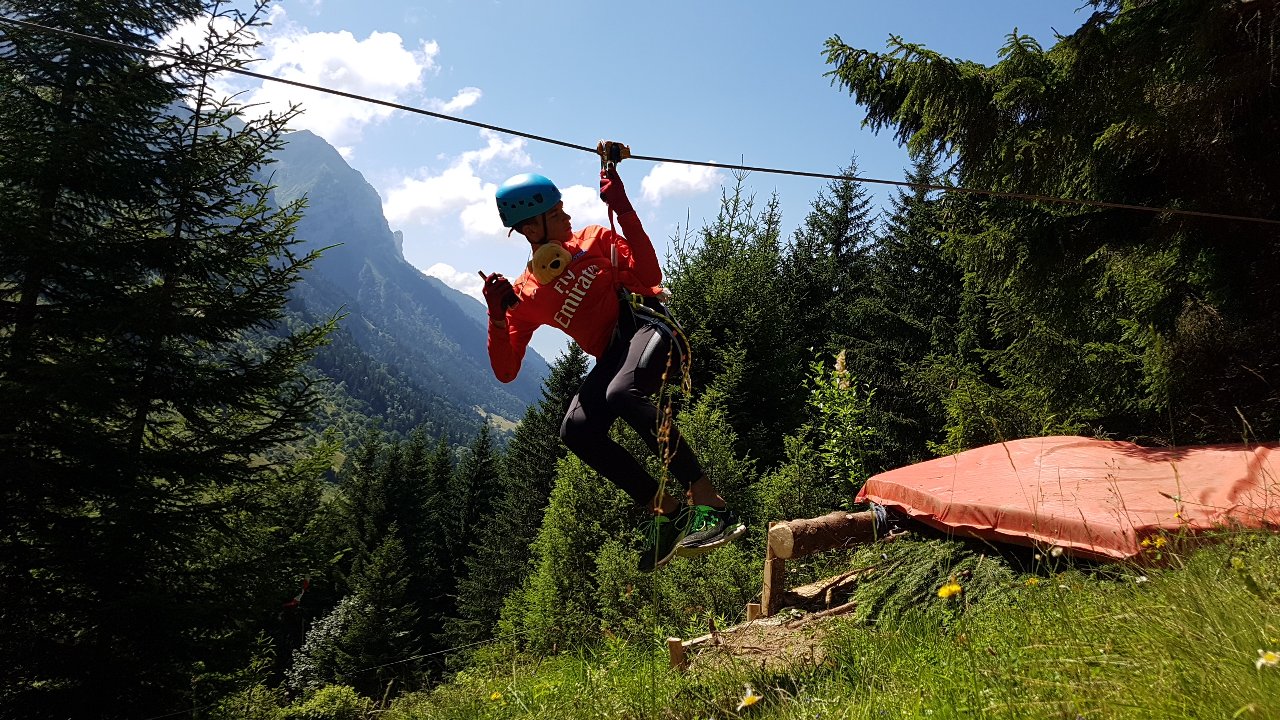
(1092, 498)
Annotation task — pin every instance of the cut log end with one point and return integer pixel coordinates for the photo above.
(798, 538)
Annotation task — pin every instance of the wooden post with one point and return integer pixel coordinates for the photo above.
(675, 648)
(753, 611)
(775, 578)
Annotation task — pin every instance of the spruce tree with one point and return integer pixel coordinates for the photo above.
(148, 394)
(908, 321)
(361, 504)
(500, 557)
(369, 640)
(379, 646)
(1105, 319)
(557, 606)
(469, 500)
(727, 296)
(434, 590)
(411, 499)
(825, 275)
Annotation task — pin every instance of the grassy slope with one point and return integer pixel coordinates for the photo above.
(1027, 638)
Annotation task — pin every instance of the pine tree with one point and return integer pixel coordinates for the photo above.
(369, 640)
(1106, 319)
(825, 274)
(361, 503)
(556, 608)
(411, 499)
(828, 258)
(908, 320)
(500, 557)
(149, 397)
(470, 497)
(727, 296)
(379, 645)
(435, 589)
(398, 483)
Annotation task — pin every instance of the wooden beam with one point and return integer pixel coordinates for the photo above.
(798, 538)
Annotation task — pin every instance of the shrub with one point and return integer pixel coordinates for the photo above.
(332, 702)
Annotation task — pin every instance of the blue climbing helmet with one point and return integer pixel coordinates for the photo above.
(525, 196)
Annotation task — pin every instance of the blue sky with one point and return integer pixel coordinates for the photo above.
(708, 80)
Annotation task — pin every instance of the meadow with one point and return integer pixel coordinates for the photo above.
(953, 631)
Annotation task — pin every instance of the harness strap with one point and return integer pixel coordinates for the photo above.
(653, 311)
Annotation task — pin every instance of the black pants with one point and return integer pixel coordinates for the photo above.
(620, 386)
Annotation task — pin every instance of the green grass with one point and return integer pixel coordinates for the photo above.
(1176, 641)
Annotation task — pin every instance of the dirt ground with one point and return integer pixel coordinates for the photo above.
(794, 635)
(775, 642)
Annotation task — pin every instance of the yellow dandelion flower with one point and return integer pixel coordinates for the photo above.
(1032, 582)
(949, 590)
(1267, 658)
(749, 698)
(1160, 542)
(1146, 542)
(496, 696)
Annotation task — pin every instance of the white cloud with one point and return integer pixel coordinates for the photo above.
(465, 98)
(481, 218)
(464, 191)
(584, 206)
(457, 189)
(462, 281)
(673, 179)
(418, 199)
(380, 66)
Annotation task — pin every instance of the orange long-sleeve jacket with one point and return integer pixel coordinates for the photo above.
(583, 300)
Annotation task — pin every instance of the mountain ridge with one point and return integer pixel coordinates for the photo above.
(413, 327)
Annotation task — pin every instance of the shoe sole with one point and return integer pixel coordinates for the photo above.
(704, 548)
(675, 550)
(663, 561)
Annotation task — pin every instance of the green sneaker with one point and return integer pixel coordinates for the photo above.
(664, 536)
(710, 528)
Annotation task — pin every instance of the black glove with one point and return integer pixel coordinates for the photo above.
(499, 295)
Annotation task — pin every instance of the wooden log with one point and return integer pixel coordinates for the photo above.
(775, 579)
(798, 538)
(694, 644)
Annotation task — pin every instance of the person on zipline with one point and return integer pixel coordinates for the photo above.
(583, 283)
